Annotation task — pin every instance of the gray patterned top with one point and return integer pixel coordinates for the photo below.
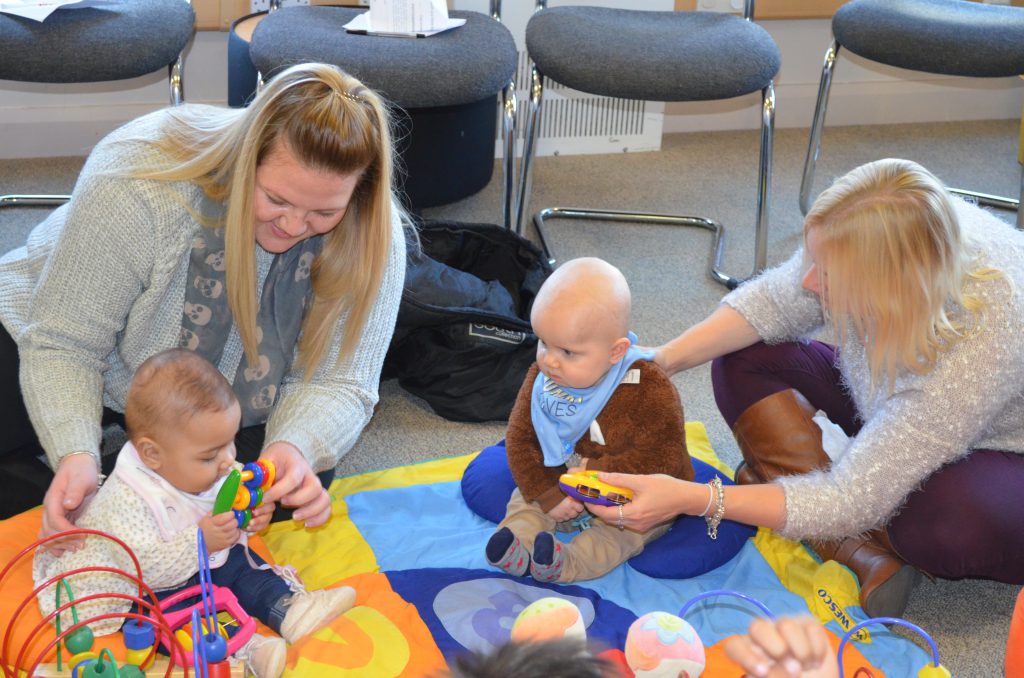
(972, 399)
(87, 313)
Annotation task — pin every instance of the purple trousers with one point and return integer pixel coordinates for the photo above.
(966, 519)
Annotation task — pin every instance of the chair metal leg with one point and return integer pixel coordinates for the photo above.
(817, 124)
(177, 91)
(529, 149)
(176, 75)
(717, 241)
(718, 231)
(508, 136)
(177, 82)
(33, 200)
(993, 201)
(814, 149)
(764, 178)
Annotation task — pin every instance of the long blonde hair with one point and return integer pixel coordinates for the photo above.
(897, 264)
(332, 123)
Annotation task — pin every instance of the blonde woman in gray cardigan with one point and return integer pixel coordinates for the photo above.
(923, 292)
(266, 239)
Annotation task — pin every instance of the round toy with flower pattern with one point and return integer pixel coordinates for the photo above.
(662, 644)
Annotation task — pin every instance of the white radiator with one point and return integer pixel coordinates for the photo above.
(577, 123)
(573, 122)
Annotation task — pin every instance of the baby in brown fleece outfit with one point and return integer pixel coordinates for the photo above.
(592, 401)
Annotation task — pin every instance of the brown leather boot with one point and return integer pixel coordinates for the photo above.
(777, 438)
(886, 581)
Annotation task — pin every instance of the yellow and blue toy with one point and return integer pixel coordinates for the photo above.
(139, 639)
(585, 486)
(243, 490)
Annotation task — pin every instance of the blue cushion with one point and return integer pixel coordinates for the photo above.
(487, 484)
(684, 551)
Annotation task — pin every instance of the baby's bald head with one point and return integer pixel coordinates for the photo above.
(591, 293)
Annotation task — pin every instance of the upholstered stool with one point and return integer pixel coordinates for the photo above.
(445, 83)
(243, 77)
(118, 40)
(946, 37)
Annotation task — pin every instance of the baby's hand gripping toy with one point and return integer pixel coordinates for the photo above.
(243, 490)
(584, 486)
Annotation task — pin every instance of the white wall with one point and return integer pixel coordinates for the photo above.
(45, 120)
(53, 120)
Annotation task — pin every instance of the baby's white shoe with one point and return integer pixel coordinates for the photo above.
(310, 611)
(265, 655)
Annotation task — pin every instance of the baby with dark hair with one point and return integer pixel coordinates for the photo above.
(561, 658)
(182, 417)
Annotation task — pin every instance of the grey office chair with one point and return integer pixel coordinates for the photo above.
(117, 40)
(448, 84)
(947, 37)
(656, 56)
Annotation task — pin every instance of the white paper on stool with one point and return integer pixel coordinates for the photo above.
(404, 19)
(40, 9)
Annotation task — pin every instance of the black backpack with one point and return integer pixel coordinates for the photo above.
(463, 340)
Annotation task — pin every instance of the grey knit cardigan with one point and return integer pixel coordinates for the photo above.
(100, 286)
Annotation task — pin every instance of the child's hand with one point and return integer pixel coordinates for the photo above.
(790, 647)
(578, 469)
(567, 509)
(219, 531)
(261, 516)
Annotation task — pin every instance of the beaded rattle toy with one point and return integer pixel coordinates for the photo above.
(243, 490)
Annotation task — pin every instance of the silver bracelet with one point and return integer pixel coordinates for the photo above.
(711, 498)
(715, 519)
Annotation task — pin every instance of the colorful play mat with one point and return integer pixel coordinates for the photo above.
(406, 540)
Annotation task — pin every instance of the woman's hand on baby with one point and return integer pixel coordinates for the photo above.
(567, 509)
(75, 481)
(296, 485)
(219, 531)
(655, 500)
(790, 647)
(261, 516)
